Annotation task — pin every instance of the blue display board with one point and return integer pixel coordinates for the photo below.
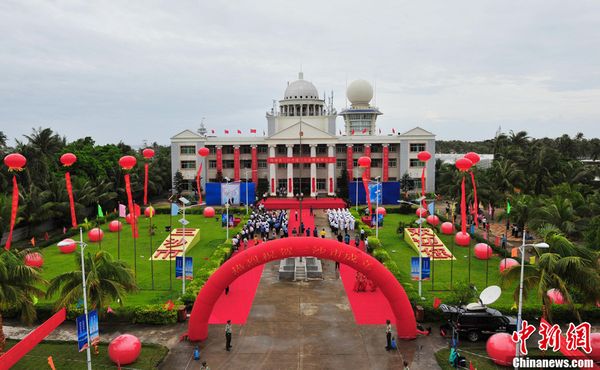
(94, 329)
(189, 268)
(82, 340)
(414, 268)
(213, 195)
(390, 193)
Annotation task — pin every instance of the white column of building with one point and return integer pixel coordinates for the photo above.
(290, 171)
(313, 170)
(330, 169)
(272, 172)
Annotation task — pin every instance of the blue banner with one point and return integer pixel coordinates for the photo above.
(174, 209)
(82, 340)
(93, 325)
(189, 267)
(425, 268)
(375, 192)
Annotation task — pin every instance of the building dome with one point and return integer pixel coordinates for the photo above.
(359, 92)
(301, 89)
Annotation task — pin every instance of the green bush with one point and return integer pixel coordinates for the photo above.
(381, 255)
(374, 242)
(154, 314)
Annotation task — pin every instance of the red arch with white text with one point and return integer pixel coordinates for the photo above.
(301, 247)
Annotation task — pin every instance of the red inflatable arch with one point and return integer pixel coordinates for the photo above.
(300, 247)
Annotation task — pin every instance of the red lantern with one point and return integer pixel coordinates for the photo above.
(68, 248)
(34, 259)
(15, 161)
(447, 228)
(483, 251)
(127, 162)
(364, 162)
(424, 156)
(208, 212)
(463, 164)
(462, 239)
(555, 296)
(68, 159)
(203, 152)
(381, 211)
(124, 349)
(595, 344)
(95, 235)
(149, 212)
(507, 263)
(433, 220)
(148, 153)
(115, 226)
(501, 349)
(129, 218)
(473, 157)
(421, 212)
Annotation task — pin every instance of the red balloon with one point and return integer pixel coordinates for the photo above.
(462, 239)
(555, 296)
(148, 153)
(473, 157)
(203, 152)
(115, 226)
(127, 162)
(483, 251)
(433, 220)
(463, 164)
(447, 228)
(124, 349)
(595, 344)
(34, 259)
(68, 248)
(208, 212)
(149, 211)
(95, 235)
(507, 263)
(501, 349)
(129, 218)
(381, 211)
(421, 212)
(15, 161)
(68, 159)
(364, 162)
(424, 156)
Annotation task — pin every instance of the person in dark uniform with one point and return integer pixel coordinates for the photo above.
(388, 335)
(228, 336)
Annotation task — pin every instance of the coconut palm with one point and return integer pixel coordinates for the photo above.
(107, 281)
(19, 284)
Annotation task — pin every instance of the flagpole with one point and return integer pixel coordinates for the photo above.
(133, 225)
(151, 259)
(118, 232)
(170, 245)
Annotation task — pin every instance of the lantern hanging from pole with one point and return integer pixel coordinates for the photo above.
(203, 152)
(14, 162)
(127, 162)
(423, 156)
(67, 160)
(463, 164)
(148, 154)
(474, 158)
(198, 181)
(364, 162)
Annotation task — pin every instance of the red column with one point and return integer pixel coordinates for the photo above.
(349, 162)
(368, 154)
(254, 166)
(219, 159)
(236, 163)
(386, 155)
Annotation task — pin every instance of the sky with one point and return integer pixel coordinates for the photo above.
(146, 70)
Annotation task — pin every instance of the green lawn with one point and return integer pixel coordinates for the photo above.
(211, 235)
(477, 355)
(65, 356)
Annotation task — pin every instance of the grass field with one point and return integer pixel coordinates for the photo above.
(65, 356)
(165, 284)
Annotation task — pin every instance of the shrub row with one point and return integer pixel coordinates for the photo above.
(162, 210)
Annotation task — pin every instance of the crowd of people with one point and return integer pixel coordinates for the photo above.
(261, 226)
(340, 220)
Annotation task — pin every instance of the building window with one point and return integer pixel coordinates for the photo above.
(296, 166)
(392, 162)
(359, 148)
(321, 184)
(228, 149)
(392, 179)
(414, 162)
(340, 149)
(393, 148)
(321, 149)
(321, 165)
(376, 162)
(282, 183)
(281, 165)
(376, 148)
(355, 163)
(187, 149)
(212, 164)
(341, 163)
(281, 149)
(417, 147)
(245, 149)
(228, 163)
(263, 149)
(188, 165)
(262, 163)
(246, 163)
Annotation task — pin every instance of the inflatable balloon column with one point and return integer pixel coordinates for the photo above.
(14, 162)
(423, 156)
(474, 158)
(462, 237)
(148, 154)
(67, 160)
(127, 162)
(203, 152)
(365, 162)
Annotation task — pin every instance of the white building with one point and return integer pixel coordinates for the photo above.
(300, 151)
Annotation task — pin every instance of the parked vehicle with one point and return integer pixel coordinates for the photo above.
(476, 321)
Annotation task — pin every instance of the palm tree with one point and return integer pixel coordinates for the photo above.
(107, 281)
(558, 211)
(19, 284)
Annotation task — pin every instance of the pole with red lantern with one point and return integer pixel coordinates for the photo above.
(14, 162)
(462, 238)
(203, 152)
(67, 160)
(127, 162)
(365, 162)
(148, 154)
(474, 157)
(423, 156)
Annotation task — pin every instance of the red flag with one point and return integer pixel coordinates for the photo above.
(436, 302)
(352, 132)
(71, 200)
(226, 132)
(109, 310)
(46, 236)
(32, 241)
(239, 132)
(13, 212)
(393, 131)
(169, 305)
(253, 131)
(364, 131)
(64, 230)
(471, 367)
(198, 177)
